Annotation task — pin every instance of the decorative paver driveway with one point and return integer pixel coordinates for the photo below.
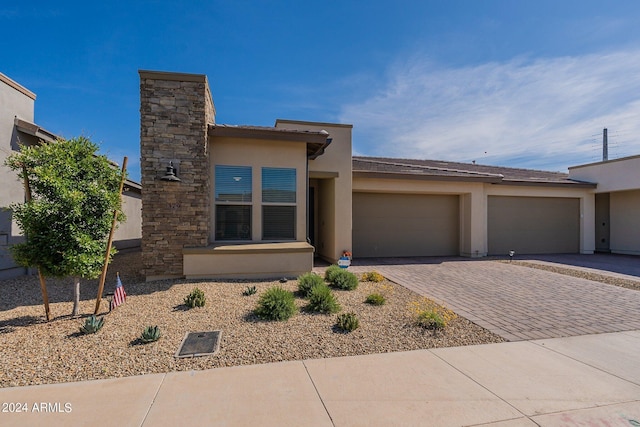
(516, 302)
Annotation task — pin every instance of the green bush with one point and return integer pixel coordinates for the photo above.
(348, 322)
(331, 272)
(307, 282)
(430, 319)
(276, 304)
(375, 299)
(195, 299)
(322, 300)
(345, 280)
(372, 276)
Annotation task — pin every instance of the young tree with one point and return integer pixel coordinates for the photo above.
(68, 219)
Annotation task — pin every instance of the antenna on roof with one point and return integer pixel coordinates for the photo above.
(605, 145)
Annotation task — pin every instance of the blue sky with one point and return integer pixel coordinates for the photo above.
(512, 83)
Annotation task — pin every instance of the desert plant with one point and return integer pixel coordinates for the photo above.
(345, 280)
(330, 272)
(150, 334)
(430, 319)
(372, 276)
(195, 299)
(322, 300)
(348, 322)
(92, 324)
(249, 291)
(276, 304)
(430, 315)
(307, 282)
(375, 299)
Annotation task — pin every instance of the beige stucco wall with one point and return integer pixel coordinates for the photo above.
(261, 261)
(334, 183)
(474, 205)
(625, 222)
(259, 153)
(129, 232)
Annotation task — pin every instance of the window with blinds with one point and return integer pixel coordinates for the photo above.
(278, 204)
(233, 199)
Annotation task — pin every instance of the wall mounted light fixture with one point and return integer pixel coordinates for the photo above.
(170, 175)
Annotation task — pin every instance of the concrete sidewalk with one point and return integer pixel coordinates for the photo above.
(577, 381)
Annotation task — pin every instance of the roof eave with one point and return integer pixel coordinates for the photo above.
(316, 141)
(404, 176)
(571, 184)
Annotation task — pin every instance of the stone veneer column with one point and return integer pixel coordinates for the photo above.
(175, 110)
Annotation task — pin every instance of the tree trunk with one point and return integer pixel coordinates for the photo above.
(76, 296)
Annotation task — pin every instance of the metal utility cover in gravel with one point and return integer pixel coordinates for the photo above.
(199, 344)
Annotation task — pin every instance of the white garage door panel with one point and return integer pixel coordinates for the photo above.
(396, 225)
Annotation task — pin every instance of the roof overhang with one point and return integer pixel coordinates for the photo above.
(570, 184)
(424, 177)
(45, 136)
(316, 141)
(33, 129)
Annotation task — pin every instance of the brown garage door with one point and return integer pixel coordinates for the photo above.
(397, 225)
(533, 225)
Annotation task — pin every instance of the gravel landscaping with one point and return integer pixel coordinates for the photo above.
(37, 352)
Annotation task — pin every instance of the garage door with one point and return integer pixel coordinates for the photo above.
(533, 225)
(398, 225)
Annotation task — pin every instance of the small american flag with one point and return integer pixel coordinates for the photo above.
(119, 296)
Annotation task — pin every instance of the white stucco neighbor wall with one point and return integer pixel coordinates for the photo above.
(15, 101)
(613, 175)
(621, 179)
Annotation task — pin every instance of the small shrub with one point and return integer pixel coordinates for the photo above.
(331, 272)
(307, 282)
(430, 315)
(348, 322)
(429, 319)
(375, 299)
(150, 334)
(195, 299)
(345, 280)
(249, 291)
(276, 304)
(92, 324)
(372, 276)
(322, 300)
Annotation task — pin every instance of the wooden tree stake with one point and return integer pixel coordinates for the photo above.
(43, 284)
(103, 276)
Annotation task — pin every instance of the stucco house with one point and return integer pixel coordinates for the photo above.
(246, 201)
(17, 128)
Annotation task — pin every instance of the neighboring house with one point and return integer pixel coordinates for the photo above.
(617, 203)
(263, 201)
(17, 128)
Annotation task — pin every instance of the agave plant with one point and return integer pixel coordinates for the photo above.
(249, 291)
(150, 334)
(92, 324)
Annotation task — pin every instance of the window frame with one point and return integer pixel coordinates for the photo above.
(243, 202)
(278, 203)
